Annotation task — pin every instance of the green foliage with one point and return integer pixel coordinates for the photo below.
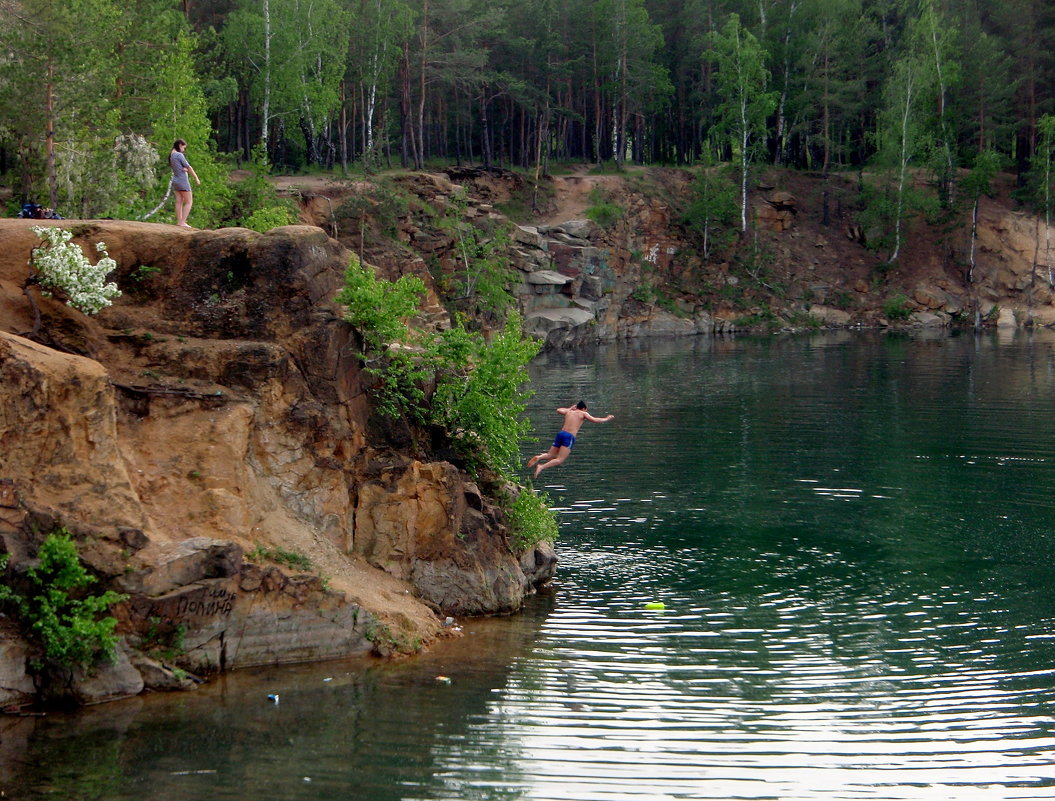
(897, 308)
(71, 625)
(803, 319)
(711, 215)
(385, 640)
(842, 299)
(264, 220)
(645, 293)
(539, 82)
(144, 272)
(379, 311)
(178, 110)
(883, 208)
(253, 201)
(381, 204)
(764, 316)
(603, 211)
(165, 640)
(291, 59)
(531, 519)
(482, 284)
(745, 103)
(281, 556)
(479, 396)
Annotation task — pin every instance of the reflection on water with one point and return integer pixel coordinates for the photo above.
(851, 538)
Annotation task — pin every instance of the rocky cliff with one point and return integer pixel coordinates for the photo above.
(806, 263)
(209, 443)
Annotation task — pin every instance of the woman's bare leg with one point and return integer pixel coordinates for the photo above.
(187, 203)
(183, 202)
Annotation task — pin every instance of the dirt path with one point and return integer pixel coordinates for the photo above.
(572, 194)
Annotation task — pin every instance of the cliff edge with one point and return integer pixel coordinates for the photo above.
(208, 442)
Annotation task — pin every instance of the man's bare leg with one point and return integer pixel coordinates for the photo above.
(562, 454)
(550, 454)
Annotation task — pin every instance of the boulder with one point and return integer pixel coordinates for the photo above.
(547, 278)
(58, 423)
(657, 323)
(527, 235)
(1044, 315)
(935, 298)
(925, 319)
(591, 288)
(559, 327)
(828, 315)
(421, 523)
(16, 686)
(104, 681)
(166, 566)
(157, 676)
(580, 229)
(539, 563)
(1008, 317)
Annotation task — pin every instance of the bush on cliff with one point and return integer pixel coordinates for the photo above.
(71, 626)
(531, 519)
(479, 391)
(379, 311)
(478, 397)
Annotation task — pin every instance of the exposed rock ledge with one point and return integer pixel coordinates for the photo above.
(214, 415)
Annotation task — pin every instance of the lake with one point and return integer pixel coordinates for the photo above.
(852, 539)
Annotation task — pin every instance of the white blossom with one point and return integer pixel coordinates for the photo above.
(62, 267)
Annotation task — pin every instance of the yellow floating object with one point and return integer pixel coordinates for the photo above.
(655, 605)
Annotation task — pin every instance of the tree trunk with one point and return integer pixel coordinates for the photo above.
(903, 172)
(405, 126)
(419, 153)
(49, 135)
(744, 140)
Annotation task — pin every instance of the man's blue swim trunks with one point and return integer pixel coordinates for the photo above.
(563, 440)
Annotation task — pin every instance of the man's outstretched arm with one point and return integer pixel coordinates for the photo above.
(593, 419)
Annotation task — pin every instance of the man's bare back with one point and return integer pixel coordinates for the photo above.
(574, 416)
(573, 419)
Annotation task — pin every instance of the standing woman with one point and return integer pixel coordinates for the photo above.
(181, 183)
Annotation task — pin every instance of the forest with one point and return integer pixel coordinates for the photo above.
(93, 92)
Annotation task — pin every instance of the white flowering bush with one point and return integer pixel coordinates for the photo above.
(134, 156)
(62, 268)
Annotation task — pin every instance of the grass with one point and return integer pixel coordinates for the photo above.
(281, 556)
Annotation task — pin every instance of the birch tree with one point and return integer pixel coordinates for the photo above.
(936, 40)
(979, 182)
(381, 29)
(1045, 196)
(901, 139)
(292, 53)
(745, 102)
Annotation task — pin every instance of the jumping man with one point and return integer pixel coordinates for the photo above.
(562, 443)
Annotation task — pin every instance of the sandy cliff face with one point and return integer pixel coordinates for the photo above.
(215, 417)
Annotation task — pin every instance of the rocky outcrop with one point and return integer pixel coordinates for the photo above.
(643, 275)
(16, 685)
(209, 443)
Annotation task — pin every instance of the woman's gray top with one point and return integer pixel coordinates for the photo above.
(180, 177)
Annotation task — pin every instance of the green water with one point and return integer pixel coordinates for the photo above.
(852, 537)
